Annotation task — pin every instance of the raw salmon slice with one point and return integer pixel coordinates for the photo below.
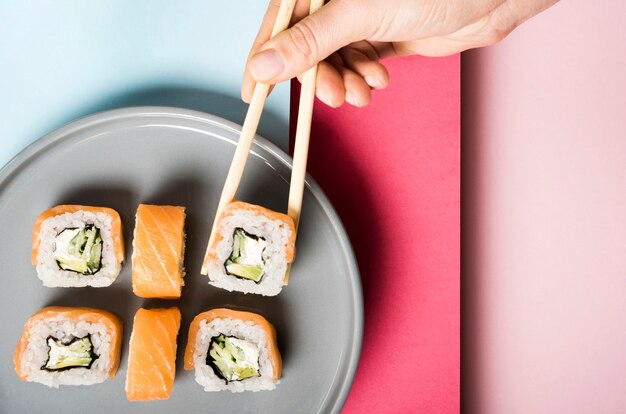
(152, 355)
(158, 250)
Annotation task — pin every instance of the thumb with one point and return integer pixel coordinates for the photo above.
(311, 40)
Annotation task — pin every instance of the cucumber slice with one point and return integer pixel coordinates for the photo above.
(77, 353)
(238, 241)
(95, 255)
(246, 261)
(77, 241)
(233, 359)
(79, 250)
(225, 365)
(91, 237)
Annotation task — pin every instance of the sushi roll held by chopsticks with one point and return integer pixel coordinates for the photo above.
(252, 250)
(76, 246)
(69, 346)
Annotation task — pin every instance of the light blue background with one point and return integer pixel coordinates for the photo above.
(64, 59)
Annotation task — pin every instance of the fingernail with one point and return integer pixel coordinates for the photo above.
(324, 96)
(266, 65)
(352, 99)
(373, 81)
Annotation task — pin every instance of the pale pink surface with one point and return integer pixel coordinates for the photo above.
(545, 231)
(392, 171)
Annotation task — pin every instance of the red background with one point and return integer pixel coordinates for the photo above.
(392, 171)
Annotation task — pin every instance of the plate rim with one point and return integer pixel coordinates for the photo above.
(27, 154)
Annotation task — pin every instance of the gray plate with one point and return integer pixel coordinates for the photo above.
(172, 156)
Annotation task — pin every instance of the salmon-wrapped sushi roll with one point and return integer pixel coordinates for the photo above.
(233, 350)
(152, 354)
(69, 346)
(158, 251)
(76, 246)
(252, 250)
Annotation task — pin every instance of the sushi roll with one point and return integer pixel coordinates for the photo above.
(233, 350)
(69, 346)
(76, 246)
(252, 250)
(158, 251)
(152, 355)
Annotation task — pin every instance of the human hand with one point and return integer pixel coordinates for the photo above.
(349, 37)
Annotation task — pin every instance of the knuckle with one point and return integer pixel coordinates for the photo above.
(304, 40)
(489, 31)
(437, 15)
(366, 49)
(494, 35)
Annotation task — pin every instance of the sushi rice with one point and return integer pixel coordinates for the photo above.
(36, 353)
(246, 330)
(48, 269)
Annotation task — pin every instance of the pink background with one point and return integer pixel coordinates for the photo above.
(392, 171)
(544, 224)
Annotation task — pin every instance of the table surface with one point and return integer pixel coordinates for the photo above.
(392, 171)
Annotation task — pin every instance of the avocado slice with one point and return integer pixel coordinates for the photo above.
(254, 273)
(75, 265)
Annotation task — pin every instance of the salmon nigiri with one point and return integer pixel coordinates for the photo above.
(158, 250)
(152, 355)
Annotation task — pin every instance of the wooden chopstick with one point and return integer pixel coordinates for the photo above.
(249, 128)
(303, 134)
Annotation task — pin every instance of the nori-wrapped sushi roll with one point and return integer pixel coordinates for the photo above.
(233, 350)
(252, 250)
(76, 246)
(69, 346)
